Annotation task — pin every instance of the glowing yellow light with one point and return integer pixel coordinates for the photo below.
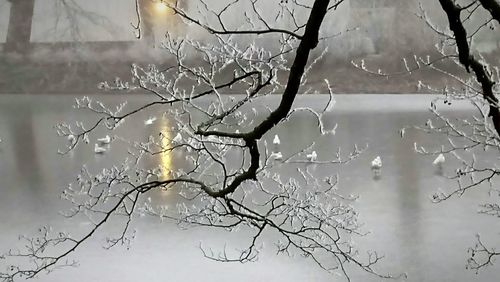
(166, 157)
(161, 7)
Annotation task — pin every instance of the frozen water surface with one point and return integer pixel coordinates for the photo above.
(427, 241)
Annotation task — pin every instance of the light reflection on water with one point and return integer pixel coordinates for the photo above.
(166, 156)
(428, 241)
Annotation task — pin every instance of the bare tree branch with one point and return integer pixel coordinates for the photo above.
(227, 177)
(493, 7)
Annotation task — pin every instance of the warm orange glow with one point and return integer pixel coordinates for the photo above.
(166, 157)
(161, 7)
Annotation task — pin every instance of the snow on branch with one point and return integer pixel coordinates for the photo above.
(223, 172)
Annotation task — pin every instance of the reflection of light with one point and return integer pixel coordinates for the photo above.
(165, 157)
(161, 7)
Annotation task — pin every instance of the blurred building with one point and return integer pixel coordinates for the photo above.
(98, 39)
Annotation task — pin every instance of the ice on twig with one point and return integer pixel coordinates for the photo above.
(330, 106)
(177, 139)
(71, 139)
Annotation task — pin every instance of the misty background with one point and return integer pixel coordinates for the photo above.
(69, 46)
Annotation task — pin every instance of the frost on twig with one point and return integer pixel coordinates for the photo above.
(472, 137)
(224, 176)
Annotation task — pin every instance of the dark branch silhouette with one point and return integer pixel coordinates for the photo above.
(208, 128)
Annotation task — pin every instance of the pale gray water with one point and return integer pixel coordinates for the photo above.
(426, 240)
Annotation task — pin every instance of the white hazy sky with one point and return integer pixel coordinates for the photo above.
(111, 20)
(97, 20)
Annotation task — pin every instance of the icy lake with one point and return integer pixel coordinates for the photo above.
(427, 241)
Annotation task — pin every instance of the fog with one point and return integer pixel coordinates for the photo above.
(99, 37)
(55, 51)
(93, 20)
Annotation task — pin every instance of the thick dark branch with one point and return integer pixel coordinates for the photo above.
(469, 61)
(251, 173)
(487, 85)
(238, 105)
(453, 12)
(493, 7)
(308, 43)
